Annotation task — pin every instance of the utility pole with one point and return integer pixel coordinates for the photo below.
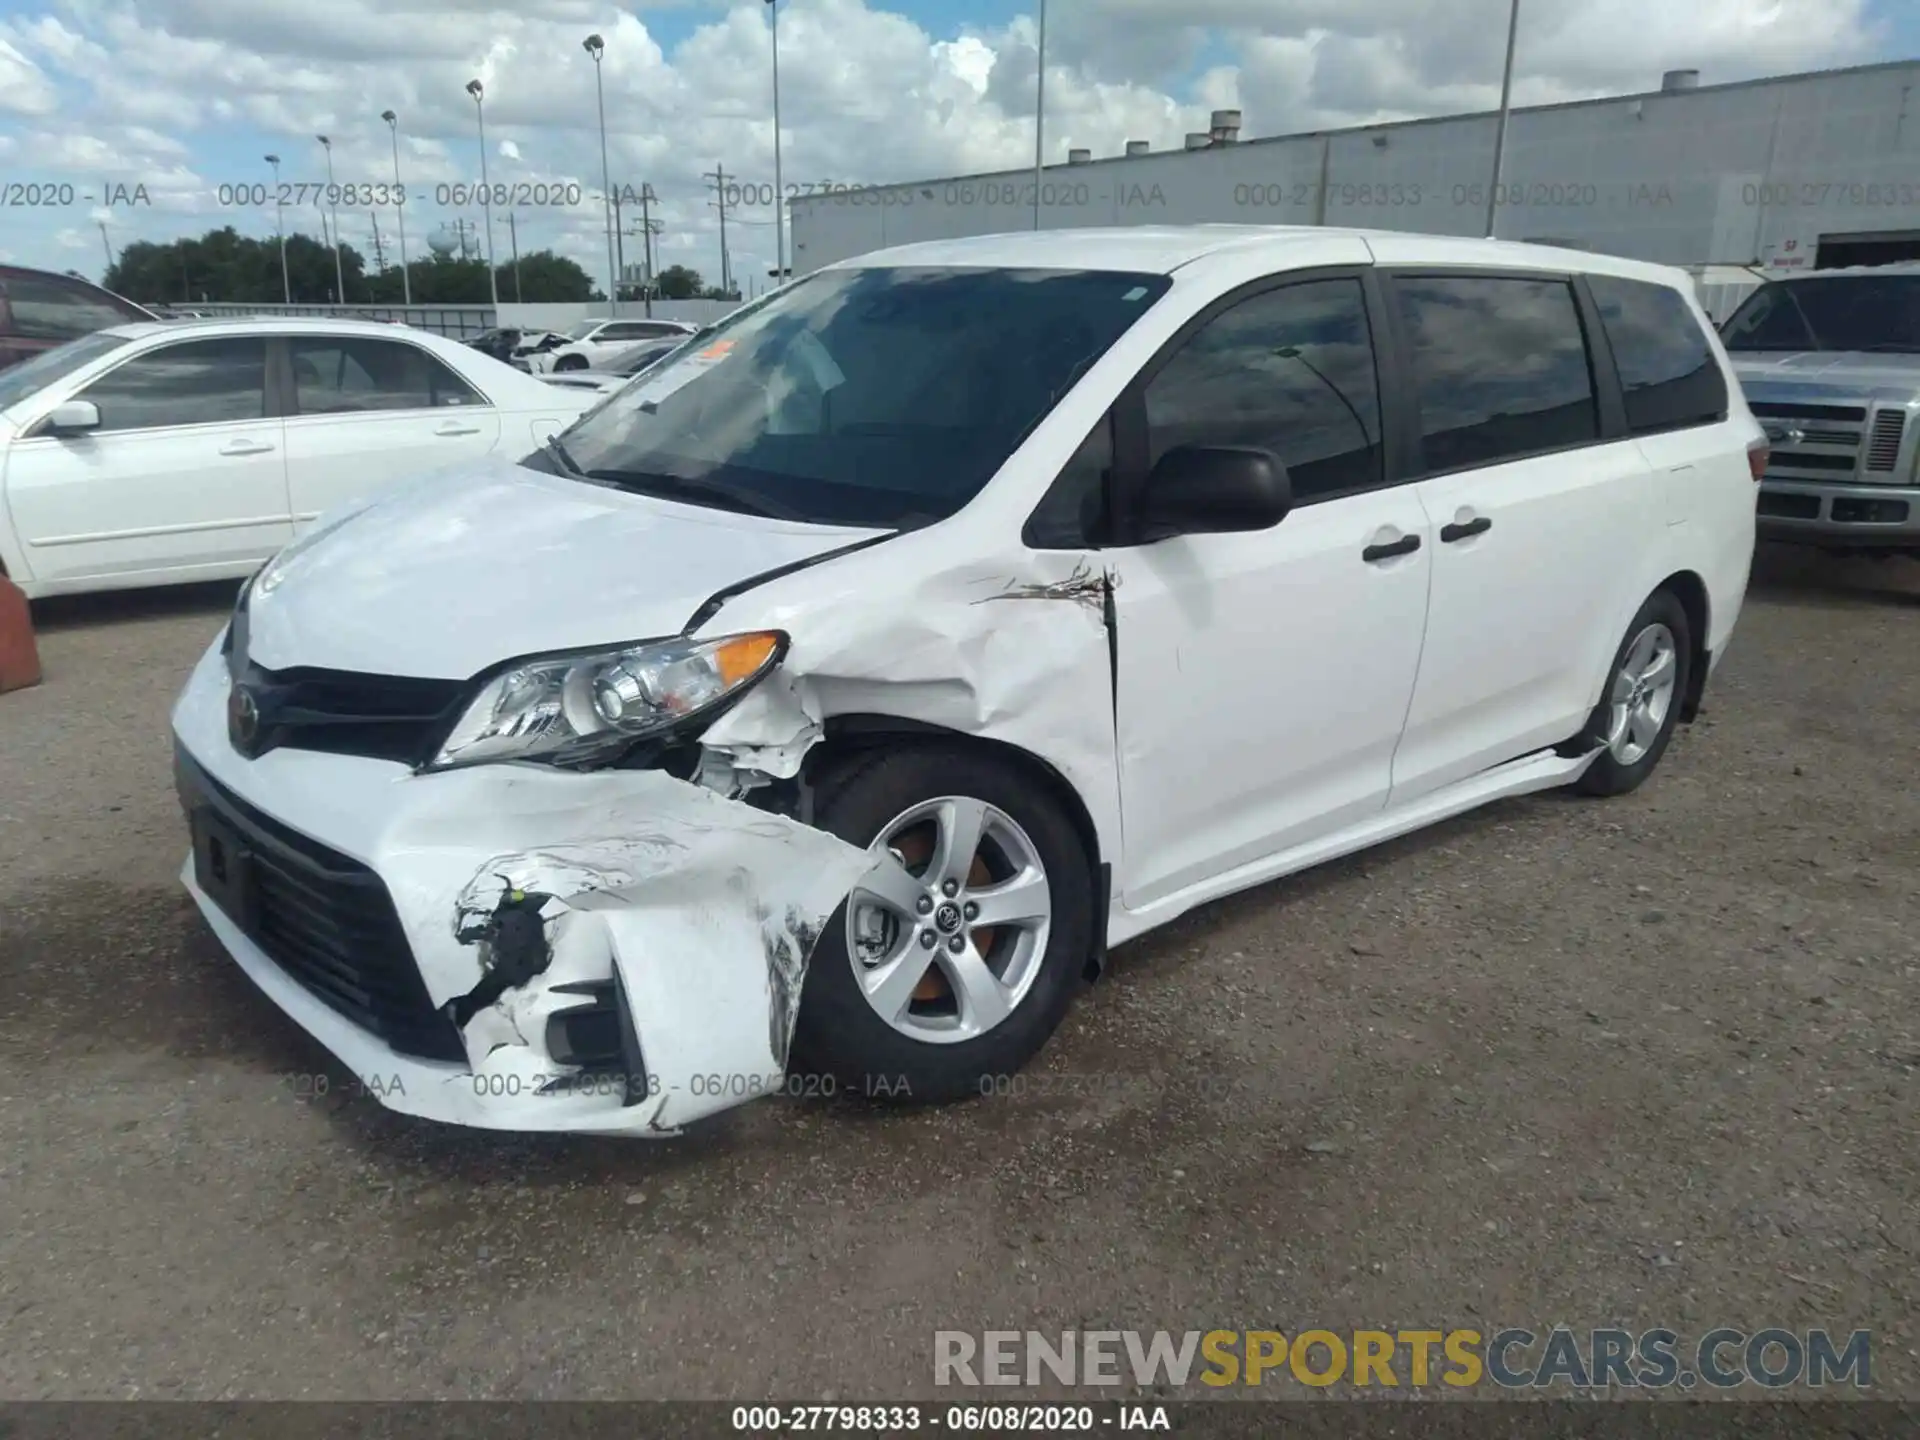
(379, 251)
(1500, 133)
(646, 230)
(513, 238)
(109, 247)
(719, 177)
(619, 258)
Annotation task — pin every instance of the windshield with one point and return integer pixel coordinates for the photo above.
(1867, 312)
(883, 397)
(584, 329)
(18, 382)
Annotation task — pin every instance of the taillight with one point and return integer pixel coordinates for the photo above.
(1758, 453)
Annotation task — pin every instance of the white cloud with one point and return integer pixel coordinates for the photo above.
(185, 94)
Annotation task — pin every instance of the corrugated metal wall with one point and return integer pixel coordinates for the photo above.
(1735, 174)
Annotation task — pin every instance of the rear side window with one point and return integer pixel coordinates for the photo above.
(333, 377)
(198, 382)
(45, 308)
(1501, 368)
(1666, 367)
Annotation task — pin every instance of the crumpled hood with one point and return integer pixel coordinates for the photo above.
(467, 567)
(1839, 374)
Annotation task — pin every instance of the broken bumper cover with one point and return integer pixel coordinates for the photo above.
(684, 918)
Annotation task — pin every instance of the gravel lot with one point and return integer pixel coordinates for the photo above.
(1649, 1061)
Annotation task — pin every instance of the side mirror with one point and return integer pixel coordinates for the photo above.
(73, 417)
(1213, 490)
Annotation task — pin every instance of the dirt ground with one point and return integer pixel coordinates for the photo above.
(1647, 1061)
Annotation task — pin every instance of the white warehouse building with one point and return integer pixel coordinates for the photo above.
(1792, 172)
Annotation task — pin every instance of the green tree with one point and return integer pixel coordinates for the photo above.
(224, 265)
(678, 282)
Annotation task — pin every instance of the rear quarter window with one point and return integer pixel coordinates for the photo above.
(1667, 367)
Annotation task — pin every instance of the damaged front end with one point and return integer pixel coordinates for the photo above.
(613, 948)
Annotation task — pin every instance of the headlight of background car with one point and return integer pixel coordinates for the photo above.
(573, 709)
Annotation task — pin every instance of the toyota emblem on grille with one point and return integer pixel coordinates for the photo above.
(243, 719)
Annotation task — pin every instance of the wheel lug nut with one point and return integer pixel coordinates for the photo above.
(957, 944)
(972, 911)
(926, 905)
(951, 888)
(928, 939)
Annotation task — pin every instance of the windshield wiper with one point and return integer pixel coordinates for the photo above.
(554, 448)
(678, 487)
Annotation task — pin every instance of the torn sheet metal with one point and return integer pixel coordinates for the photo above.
(708, 910)
(1036, 675)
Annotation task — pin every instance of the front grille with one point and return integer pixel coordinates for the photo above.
(1833, 442)
(1793, 410)
(1883, 448)
(378, 717)
(328, 922)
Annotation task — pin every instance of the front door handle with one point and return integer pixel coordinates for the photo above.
(245, 447)
(1405, 545)
(1451, 533)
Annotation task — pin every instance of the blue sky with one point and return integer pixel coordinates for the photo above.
(185, 95)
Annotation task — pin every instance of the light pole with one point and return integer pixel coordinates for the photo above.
(399, 205)
(596, 47)
(779, 196)
(478, 92)
(108, 244)
(1500, 135)
(280, 224)
(1040, 115)
(333, 196)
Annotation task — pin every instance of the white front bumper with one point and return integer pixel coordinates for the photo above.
(705, 910)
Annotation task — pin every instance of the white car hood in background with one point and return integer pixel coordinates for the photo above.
(471, 566)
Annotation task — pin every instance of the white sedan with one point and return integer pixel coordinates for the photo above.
(155, 454)
(592, 342)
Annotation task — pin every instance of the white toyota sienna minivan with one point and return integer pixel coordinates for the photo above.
(816, 712)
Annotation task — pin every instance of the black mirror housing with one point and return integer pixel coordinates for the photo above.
(1213, 490)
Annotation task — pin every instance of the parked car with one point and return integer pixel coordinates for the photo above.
(510, 344)
(192, 450)
(593, 342)
(772, 728)
(612, 374)
(40, 310)
(1830, 362)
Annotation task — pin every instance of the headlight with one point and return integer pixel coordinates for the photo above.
(569, 709)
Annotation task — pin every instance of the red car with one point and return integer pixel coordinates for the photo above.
(39, 310)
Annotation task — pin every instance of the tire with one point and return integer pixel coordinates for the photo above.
(931, 1054)
(1633, 742)
(570, 362)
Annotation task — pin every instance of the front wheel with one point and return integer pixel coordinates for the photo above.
(570, 362)
(1636, 716)
(953, 961)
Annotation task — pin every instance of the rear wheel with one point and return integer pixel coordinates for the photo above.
(570, 362)
(956, 958)
(1636, 716)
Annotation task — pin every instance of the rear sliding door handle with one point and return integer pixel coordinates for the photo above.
(245, 447)
(1451, 533)
(1405, 545)
(458, 430)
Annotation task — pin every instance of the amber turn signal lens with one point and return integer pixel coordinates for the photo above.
(742, 657)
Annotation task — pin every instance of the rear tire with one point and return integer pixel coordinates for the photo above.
(1640, 706)
(956, 1002)
(570, 362)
